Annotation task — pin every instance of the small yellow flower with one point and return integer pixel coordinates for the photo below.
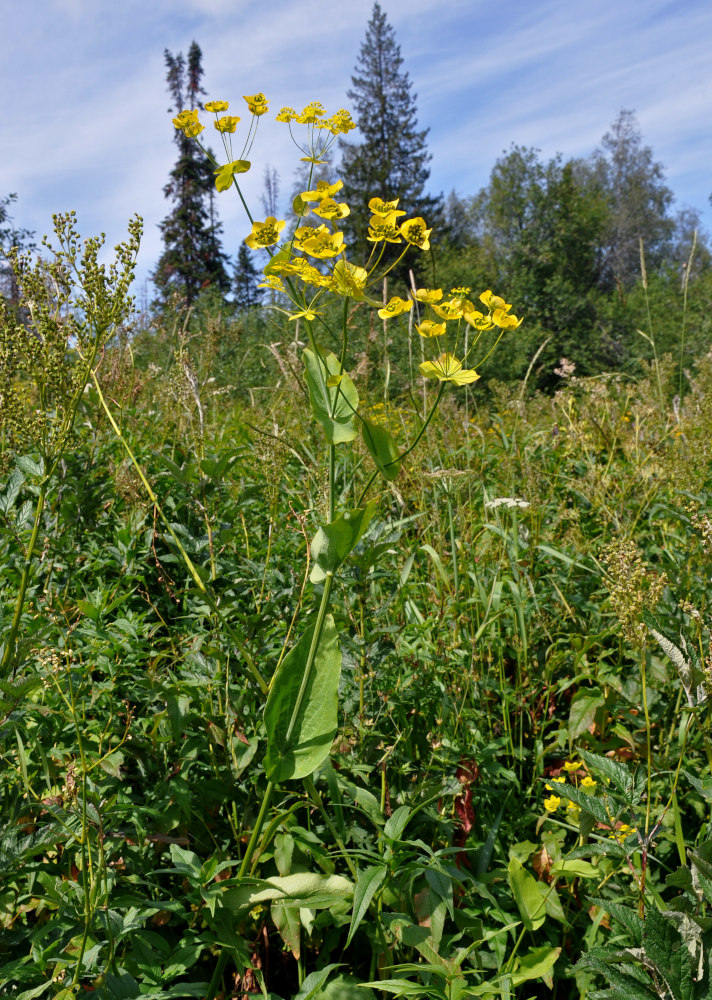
(494, 301)
(395, 307)
(380, 207)
(429, 295)
(323, 190)
(448, 310)
(504, 321)
(257, 103)
(185, 118)
(475, 318)
(572, 765)
(588, 784)
(429, 329)
(265, 234)
(339, 123)
(286, 115)
(448, 369)
(193, 129)
(552, 803)
(216, 106)
(228, 123)
(415, 233)
(460, 291)
(330, 209)
(319, 242)
(349, 279)
(383, 227)
(559, 781)
(273, 282)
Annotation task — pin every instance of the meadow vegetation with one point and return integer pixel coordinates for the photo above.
(338, 665)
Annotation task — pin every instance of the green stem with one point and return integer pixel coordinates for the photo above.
(9, 652)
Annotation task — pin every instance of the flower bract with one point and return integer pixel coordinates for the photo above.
(228, 123)
(429, 329)
(224, 175)
(216, 106)
(257, 103)
(414, 232)
(448, 369)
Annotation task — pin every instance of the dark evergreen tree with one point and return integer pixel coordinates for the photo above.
(193, 258)
(392, 159)
(247, 294)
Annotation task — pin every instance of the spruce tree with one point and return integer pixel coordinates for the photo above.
(247, 294)
(391, 161)
(192, 258)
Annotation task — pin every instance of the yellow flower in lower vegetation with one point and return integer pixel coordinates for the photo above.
(228, 123)
(448, 369)
(429, 295)
(573, 811)
(257, 103)
(216, 106)
(559, 781)
(622, 833)
(414, 232)
(552, 803)
(265, 234)
(572, 765)
(429, 329)
(395, 307)
(320, 243)
(383, 227)
(380, 207)
(588, 784)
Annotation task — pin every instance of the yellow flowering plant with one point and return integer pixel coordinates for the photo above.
(308, 264)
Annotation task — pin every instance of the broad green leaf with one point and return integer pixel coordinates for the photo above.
(334, 407)
(575, 869)
(299, 753)
(333, 542)
(382, 448)
(527, 895)
(309, 889)
(583, 710)
(11, 490)
(286, 920)
(397, 823)
(621, 776)
(665, 948)
(345, 988)
(536, 964)
(367, 884)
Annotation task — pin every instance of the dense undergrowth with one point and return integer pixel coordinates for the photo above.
(521, 770)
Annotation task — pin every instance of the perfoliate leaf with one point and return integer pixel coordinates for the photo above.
(333, 542)
(297, 753)
(225, 174)
(334, 407)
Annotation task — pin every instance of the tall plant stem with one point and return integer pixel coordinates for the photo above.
(10, 643)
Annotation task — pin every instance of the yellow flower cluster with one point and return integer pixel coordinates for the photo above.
(314, 114)
(618, 831)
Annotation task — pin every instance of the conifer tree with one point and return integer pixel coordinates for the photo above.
(192, 258)
(247, 294)
(391, 161)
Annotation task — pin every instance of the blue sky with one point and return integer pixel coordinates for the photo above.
(86, 124)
